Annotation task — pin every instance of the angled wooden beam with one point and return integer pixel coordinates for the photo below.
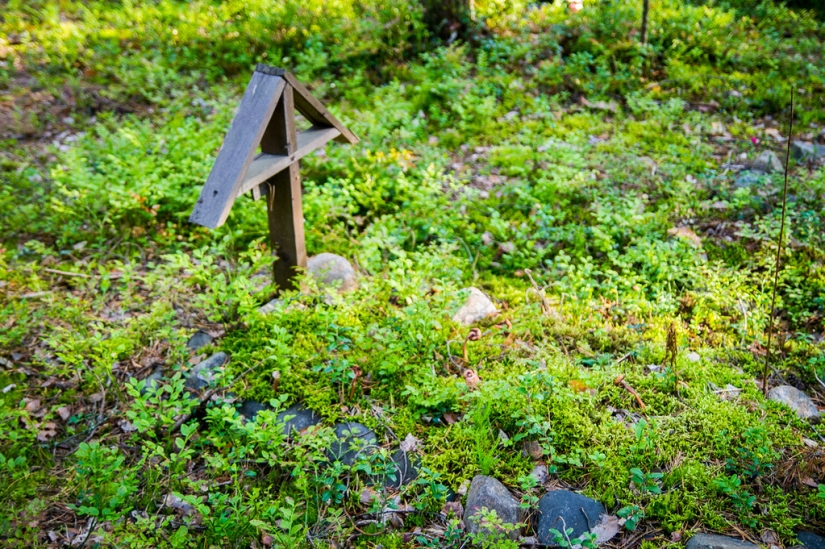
(238, 149)
(315, 112)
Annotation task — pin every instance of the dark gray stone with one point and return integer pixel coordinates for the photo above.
(199, 339)
(249, 409)
(152, 380)
(715, 541)
(203, 373)
(330, 269)
(579, 513)
(300, 418)
(796, 400)
(406, 466)
(487, 492)
(809, 540)
(354, 439)
(803, 150)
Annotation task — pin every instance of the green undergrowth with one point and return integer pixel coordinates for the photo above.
(596, 225)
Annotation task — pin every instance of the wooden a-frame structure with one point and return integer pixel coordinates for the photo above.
(266, 117)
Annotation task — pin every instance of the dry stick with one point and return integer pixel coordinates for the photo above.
(778, 252)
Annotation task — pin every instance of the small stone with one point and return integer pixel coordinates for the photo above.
(203, 373)
(715, 541)
(809, 540)
(803, 150)
(199, 339)
(271, 306)
(487, 492)
(539, 473)
(476, 307)
(768, 162)
(579, 513)
(796, 400)
(693, 356)
(300, 419)
(354, 440)
(330, 269)
(404, 468)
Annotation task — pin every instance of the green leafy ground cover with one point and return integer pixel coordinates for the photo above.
(545, 144)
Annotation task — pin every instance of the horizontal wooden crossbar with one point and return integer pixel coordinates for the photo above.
(265, 165)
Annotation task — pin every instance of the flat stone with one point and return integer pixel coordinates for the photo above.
(271, 306)
(796, 400)
(300, 418)
(476, 307)
(809, 540)
(747, 178)
(768, 162)
(249, 409)
(487, 492)
(330, 269)
(561, 509)
(199, 339)
(203, 373)
(715, 541)
(152, 380)
(804, 150)
(354, 439)
(406, 469)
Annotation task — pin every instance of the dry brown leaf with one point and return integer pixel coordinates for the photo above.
(410, 443)
(48, 431)
(606, 529)
(65, 412)
(687, 234)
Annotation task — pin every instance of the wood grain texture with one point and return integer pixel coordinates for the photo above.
(247, 128)
(283, 197)
(264, 165)
(315, 112)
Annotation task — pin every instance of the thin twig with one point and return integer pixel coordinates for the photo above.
(778, 251)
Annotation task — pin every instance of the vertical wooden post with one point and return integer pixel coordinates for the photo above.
(645, 11)
(283, 196)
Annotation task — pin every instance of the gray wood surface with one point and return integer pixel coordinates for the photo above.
(247, 128)
(283, 197)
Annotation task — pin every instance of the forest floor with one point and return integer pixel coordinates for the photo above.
(618, 204)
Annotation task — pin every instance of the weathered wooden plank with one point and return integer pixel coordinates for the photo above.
(283, 196)
(315, 112)
(221, 188)
(266, 165)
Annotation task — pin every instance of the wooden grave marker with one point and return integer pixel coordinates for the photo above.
(266, 117)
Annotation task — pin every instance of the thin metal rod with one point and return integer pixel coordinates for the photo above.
(778, 252)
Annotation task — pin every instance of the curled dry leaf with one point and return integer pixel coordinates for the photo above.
(65, 412)
(47, 431)
(606, 529)
(410, 443)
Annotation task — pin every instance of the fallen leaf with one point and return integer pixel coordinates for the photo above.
(453, 507)
(450, 418)
(578, 386)
(126, 426)
(606, 529)
(32, 404)
(96, 397)
(368, 495)
(65, 412)
(687, 234)
(808, 481)
(47, 431)
(533, 449)
(410, 443)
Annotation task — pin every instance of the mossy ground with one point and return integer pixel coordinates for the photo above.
(548, 155)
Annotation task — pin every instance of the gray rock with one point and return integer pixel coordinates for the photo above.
(354, 440)
(406, 469)
(809, 540)
(715, 541)
(747, 178)
(476, 307)
(796, 400)
(249, 409)
(152, 380)
(203, 373)
(487, 492)
(577, 511)
(768, 162)
(300, 418)
(271, 306)
(330, 269)
(199, 339)
(803, 150)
